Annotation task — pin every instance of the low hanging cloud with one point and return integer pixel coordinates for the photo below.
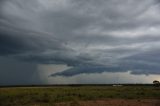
(89, 35)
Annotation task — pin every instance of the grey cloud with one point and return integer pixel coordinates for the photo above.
(139, 63)
(135, 67)
(88, 70)
(82, 34)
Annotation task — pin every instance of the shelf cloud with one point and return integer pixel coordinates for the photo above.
(91, 36)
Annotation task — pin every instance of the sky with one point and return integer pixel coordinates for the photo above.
(79, 41)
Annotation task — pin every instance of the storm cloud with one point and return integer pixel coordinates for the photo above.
(92, 36)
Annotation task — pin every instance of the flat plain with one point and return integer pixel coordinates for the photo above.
(95, 95)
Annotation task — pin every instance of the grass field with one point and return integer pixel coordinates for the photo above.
(48, 96)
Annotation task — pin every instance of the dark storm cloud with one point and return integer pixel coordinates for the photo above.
(137, 66)
(83, 34)
(88, 70)
(17, 72)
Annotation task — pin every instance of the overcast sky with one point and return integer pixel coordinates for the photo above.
(80, 36)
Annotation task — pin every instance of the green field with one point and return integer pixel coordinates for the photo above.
(43, 96)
